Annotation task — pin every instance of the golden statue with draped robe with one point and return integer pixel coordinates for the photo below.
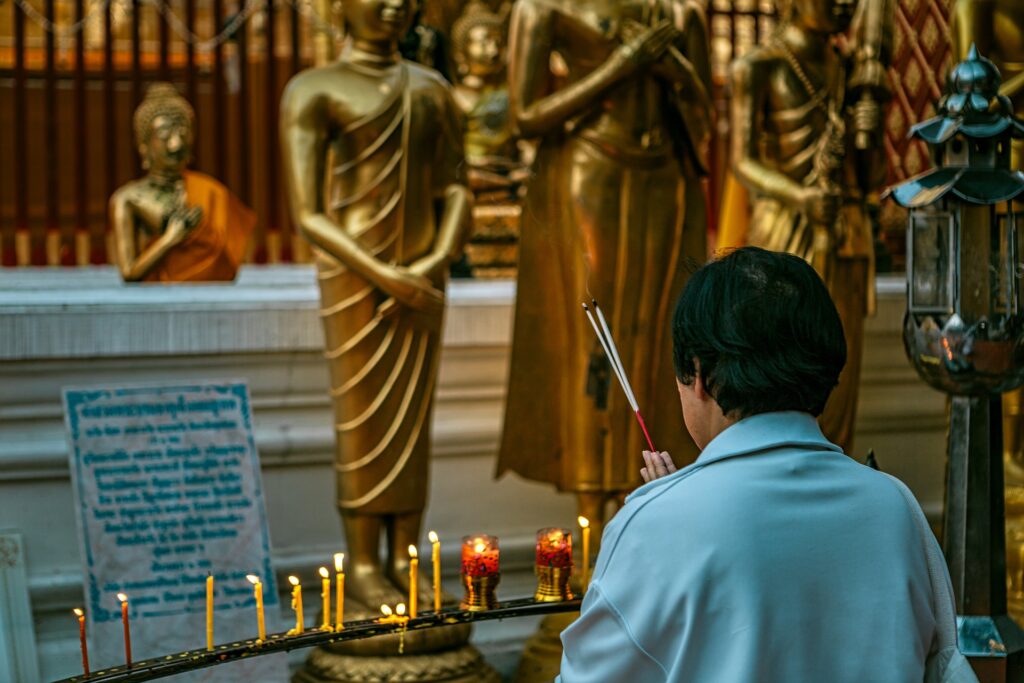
(806, 143)
(175, 225)
(373, 155)
(614, 211)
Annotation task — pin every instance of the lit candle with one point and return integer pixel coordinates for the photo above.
(297, 603)
(414, 572)
(585, 525)
(388, 614)
(400, 609)
(325, 593)
(480, 556)
(257, 590)
(209, 612)
(127, 631)
(435, 558)
(81, 636)
(339, 589)
(554, 548)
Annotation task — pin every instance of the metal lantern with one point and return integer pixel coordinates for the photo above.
(964, 333)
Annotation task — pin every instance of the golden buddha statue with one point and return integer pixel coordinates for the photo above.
(996, 27)
(614, 210)
(372, 152)
(175, 225)
(479, 39)
(796, 118)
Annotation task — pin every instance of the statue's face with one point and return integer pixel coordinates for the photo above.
(378, 20)
(169, 146)
(825, 16)
(485, 48)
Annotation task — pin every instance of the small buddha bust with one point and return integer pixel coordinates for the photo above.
(479, 39)
(175, 225)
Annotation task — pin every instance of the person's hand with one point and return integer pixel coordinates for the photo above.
(659, 464)
(642, 47)
(819, 205)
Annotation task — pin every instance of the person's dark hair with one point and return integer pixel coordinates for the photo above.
(765, 332)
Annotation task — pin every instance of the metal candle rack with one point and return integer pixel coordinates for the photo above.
(191, 660)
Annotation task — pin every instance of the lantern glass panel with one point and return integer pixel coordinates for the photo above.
(1006, 264)
(932, 279)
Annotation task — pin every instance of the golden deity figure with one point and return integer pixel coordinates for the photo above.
(996, 27)
(806, 142)
(614, 211)
(372, 150)
(479, 41)
(175, 225)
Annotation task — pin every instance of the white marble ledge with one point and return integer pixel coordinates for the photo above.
(48, 313)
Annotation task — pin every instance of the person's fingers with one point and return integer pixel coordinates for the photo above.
(659, 465)
(649, 462)
(643, 473)
(667, 459)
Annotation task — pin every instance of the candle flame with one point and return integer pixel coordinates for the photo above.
(400, 609)
(122, 597)
(293, 580)
(385, 610)
(584, 522)
(339, 562)
(433, 537)
(77, 612)
(412, 551)
(323, 572)
(253, 579)
(480, 547)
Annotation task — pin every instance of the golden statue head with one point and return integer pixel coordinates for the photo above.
(479, 41)
(820, 16)
(378, 21)
(164, 124)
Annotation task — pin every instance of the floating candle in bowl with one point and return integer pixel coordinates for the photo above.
(480, 555)
(554, 564)
(480, 572)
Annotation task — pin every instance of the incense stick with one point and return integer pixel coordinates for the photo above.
(604, 336)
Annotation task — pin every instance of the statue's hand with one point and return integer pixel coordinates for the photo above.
(418, 292)
(642, 47)
(820, 206)
(664, 65)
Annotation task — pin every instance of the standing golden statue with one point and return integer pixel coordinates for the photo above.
(613, 212)
(372, 153)
(996, 27)
(479, 42)
(806, 142)
(175, 225)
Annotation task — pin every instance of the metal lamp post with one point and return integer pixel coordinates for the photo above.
(964, 333)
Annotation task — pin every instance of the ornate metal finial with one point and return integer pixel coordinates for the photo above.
(973, 87)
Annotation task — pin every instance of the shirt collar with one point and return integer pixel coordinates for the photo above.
(761, 432)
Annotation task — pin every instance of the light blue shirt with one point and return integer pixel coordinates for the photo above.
(773, 558)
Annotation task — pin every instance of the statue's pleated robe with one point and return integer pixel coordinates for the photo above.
(382, 369)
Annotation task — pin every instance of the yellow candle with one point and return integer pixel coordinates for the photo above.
(435, 558)
(257, 589)
(127, 631)
(209, 612)
(325, 593)
(414, 572)
(297, 603)
(585, 525)
(81, 636)
(339, 590)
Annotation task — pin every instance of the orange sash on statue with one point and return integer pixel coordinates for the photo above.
(214, 249)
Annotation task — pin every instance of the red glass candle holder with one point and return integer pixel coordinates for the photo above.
(480, 572)
(554, 565)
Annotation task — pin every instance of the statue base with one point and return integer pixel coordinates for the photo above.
(435, 655)
(463, 664)
(542, 656)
